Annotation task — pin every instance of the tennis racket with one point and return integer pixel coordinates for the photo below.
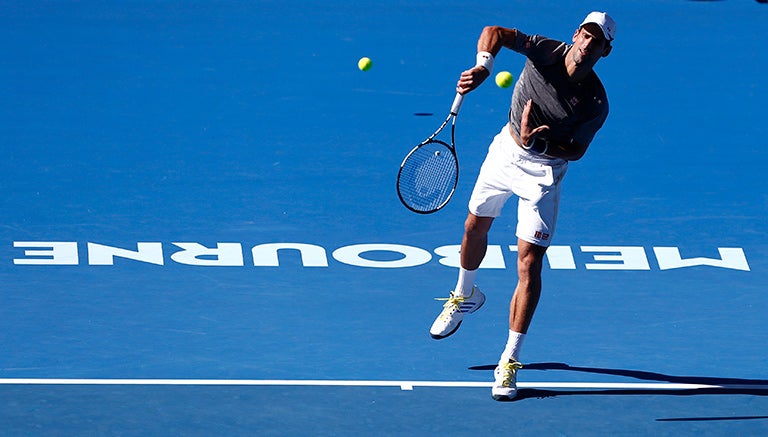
(429, 173)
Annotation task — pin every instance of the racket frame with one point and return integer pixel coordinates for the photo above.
(452, 115)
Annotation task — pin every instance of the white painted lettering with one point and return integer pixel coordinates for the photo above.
(101, 255)
(730, 258)
(195, 254)
(380, 255)
(265, 255)
(620, 258)
(412, 256)
(561, 258)
(61, 253)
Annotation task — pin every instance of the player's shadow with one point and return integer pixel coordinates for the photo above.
(757, 387)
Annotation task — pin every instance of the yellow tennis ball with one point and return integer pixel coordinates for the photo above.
(504, 79)
(364, 64)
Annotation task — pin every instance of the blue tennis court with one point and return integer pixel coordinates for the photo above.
(201, 235)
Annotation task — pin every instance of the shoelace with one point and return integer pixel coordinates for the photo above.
(510, 369)
(452, 300)
(452, 305)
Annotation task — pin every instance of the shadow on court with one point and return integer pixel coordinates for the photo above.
(730, 386)
(711, 419)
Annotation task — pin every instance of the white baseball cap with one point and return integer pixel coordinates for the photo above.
(606, 23)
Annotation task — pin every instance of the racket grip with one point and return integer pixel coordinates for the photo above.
(457, 104)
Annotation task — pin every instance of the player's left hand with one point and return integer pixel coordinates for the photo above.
(529, 132)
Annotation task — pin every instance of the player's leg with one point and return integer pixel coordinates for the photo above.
(530, 259)
(465, 297)
(522, 306)
(537, 216)
(490, 194)
(474, 244)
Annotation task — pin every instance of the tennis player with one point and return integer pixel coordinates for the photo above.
(558, 105)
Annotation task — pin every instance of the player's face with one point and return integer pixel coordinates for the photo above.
(589, 45)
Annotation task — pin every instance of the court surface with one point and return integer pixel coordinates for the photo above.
(201, 236)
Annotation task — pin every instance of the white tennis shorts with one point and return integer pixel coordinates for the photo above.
(510, 170)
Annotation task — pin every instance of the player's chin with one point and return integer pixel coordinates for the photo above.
(581, 56)
(585, 61)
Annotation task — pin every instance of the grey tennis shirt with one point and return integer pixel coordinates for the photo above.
(573, 110)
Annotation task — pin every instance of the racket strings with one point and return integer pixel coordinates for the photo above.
(428, 177)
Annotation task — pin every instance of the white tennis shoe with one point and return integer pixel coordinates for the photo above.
(505, 384)
(453, 312)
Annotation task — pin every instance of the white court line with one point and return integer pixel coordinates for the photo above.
(404, 385)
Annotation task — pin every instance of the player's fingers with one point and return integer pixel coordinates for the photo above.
(525, 118)
(527, 108)
(464, 87)
(540, 129)
(464, 79)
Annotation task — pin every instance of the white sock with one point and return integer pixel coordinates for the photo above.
(466, 282)
(514, 344)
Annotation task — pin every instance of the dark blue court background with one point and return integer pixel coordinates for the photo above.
(249, 122)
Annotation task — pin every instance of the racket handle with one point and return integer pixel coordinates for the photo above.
(457, 104)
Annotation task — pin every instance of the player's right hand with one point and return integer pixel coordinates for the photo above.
(471, 79)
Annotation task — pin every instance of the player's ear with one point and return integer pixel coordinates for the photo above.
(575, 34)
(607, 50)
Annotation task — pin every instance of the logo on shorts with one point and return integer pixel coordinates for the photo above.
(541, 235)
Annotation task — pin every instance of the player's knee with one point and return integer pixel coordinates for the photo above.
(529, 262)
(477, 227)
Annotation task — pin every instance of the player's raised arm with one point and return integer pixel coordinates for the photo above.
(490, 42)
(493, 38)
